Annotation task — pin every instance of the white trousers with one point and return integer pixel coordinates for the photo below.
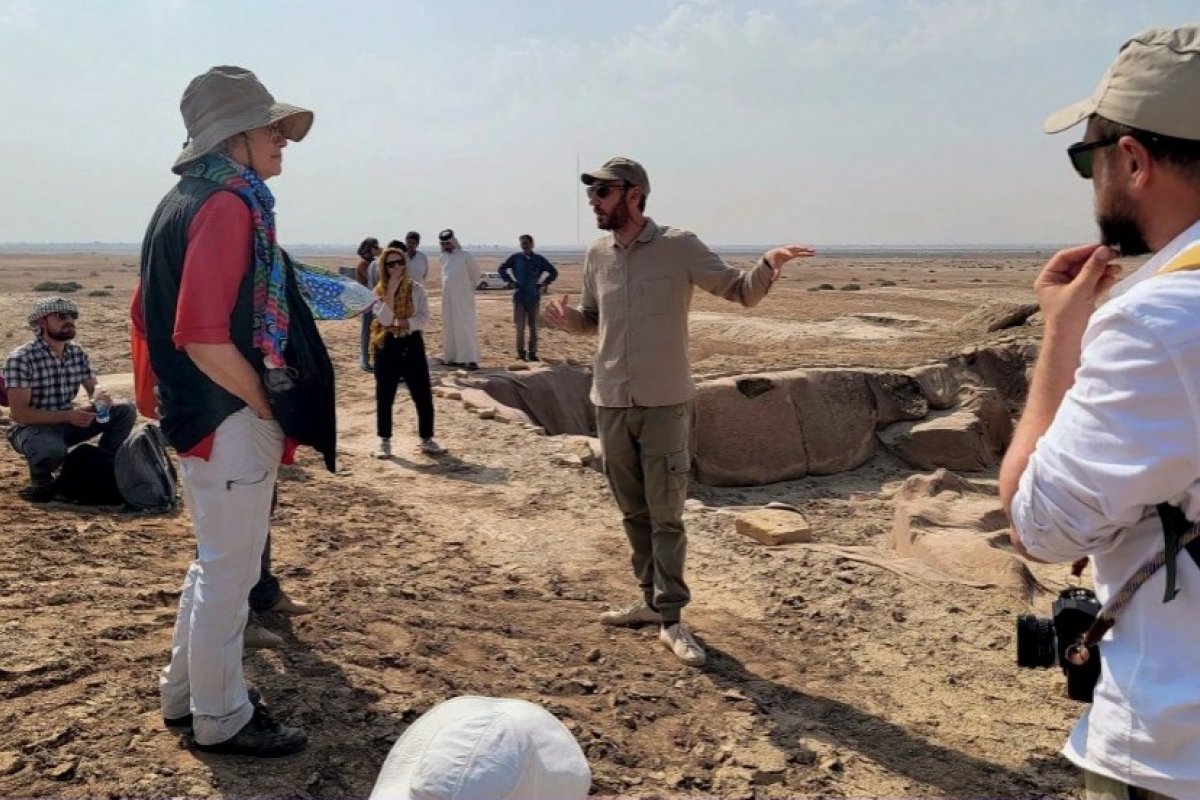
(230, 499)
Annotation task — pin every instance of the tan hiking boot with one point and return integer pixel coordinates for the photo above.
(256, 637)
(286, 605)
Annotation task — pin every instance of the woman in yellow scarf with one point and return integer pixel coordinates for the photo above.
(397, 350)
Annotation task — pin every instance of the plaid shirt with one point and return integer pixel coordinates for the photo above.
(53, 383)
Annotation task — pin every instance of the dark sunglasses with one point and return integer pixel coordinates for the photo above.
(63, 316)
(393, 263)
(1083, 155)
(602, 190)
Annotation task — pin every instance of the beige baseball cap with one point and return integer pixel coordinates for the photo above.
(1154, 85)
(619, 169)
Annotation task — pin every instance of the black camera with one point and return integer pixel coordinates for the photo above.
(1042, 643)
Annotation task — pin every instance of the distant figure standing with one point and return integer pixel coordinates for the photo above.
(398, 350)
(460, 276)
(637, 288)
(418, 262)
(368, 251)
(525, 270)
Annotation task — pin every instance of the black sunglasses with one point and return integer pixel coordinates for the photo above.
(1083, 155)
(63, 316)
(602, 190)
(393, 263)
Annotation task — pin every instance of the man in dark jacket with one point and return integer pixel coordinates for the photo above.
(525, 271)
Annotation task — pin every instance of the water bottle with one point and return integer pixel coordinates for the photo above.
(102, 408)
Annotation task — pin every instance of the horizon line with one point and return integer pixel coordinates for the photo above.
(135, 246)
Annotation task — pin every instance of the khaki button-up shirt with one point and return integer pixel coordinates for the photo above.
(637, 299)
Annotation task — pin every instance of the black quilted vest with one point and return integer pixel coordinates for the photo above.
(190, 406)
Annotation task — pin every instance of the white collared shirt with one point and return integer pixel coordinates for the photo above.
(418, 267)
(1126, 438)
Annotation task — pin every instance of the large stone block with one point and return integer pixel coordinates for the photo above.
(970, 438)
(898, 396)
(773, 526)
(837, 415)
(746, 432)
(938, 383)
(1002, 367)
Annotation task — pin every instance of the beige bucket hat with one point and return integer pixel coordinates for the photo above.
(229, 100)
(1153, 85)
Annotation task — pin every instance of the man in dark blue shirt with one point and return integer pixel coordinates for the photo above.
(524, 270)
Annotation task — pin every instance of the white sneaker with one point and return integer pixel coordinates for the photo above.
(679, 640)
(256, 637)
(640, 613)
(385, 449)
(431, 448)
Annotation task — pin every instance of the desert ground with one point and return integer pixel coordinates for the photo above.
(483, 573)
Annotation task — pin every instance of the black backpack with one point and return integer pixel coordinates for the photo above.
(89, 477)
(145, 474)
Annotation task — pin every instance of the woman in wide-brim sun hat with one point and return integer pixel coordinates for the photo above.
(222, 319)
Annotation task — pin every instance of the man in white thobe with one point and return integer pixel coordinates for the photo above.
(460, 276)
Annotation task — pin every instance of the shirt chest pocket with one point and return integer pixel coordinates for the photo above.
(655, 296)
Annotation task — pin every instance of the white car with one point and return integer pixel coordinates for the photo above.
(492, 280)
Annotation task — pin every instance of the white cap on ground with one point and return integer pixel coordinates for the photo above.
(484, 748)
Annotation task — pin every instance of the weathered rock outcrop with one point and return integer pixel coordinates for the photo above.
(759, 429)
(552, 397)
(997, 315)
(1000, 367)
(972, 437)
(958, 528)
(764, 428)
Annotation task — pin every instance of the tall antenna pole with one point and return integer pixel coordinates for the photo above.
(578, 233)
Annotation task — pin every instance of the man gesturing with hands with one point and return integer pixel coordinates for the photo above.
(637, 288)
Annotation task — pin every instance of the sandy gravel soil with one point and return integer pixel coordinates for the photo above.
(484, 571)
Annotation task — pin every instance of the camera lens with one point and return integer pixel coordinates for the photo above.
(1035, 642)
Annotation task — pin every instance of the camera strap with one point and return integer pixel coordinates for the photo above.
(1179, 535)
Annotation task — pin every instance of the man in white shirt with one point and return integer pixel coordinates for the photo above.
(418, 263)
(1111, 428)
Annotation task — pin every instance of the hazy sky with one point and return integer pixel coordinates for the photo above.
(825, 121)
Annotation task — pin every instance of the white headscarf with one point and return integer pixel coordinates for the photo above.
(453, 240)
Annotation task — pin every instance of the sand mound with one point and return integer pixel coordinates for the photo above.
(959, 528)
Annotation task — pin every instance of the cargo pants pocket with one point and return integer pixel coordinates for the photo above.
(666, 485)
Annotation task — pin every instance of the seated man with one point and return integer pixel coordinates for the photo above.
(42, 379)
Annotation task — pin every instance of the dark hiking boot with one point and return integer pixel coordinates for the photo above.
(261, 737)
(533, 356)
(522, 355)
(185, 722)
(39, 492)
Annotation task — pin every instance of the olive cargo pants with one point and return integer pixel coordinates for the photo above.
(647, 462)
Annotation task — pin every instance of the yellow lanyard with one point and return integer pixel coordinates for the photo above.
(1188, 259)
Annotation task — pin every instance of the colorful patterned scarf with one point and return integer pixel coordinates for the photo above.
(395, 291)
(330, 296)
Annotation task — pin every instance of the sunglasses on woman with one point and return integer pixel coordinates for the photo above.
(391, 264)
